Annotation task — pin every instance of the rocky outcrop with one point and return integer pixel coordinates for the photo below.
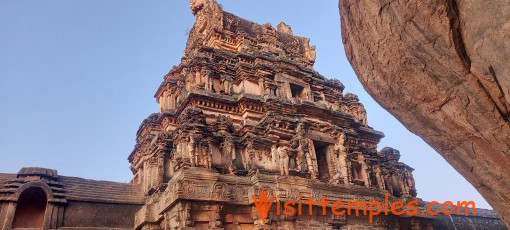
(441, 67)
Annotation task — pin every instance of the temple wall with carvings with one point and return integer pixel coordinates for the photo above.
(246, 110)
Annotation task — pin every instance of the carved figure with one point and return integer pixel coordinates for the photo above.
(379, 178)
(207, 155)
(341, 158)
(361, 114)
(226, 81)
(274, 154)
(310, 53)
(310, 159)
(283, 157)
(196, 5)
(300, 157)
(229, 148)
(208, 80)
(192, 153)
(364, 169)
(284, 28)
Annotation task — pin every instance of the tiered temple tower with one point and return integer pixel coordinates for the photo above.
(243, 112)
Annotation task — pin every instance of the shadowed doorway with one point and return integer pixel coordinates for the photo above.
(30, 209)
(321, 149)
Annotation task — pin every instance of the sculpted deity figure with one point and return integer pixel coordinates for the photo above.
(388, 182)
(300, 129)
(399, 183)
(226, 81)
(361, 115)
(361, 171)
(300, 157)
(190, 81)
(283, 157)
(310, 159)
(208, 80)
(364, 169)
(207, 155)
(341, 164)
(379, 177)
(300, 144)
(274, 154)
(409, 179)
(192, 151)
(249, 156)
(229, 150)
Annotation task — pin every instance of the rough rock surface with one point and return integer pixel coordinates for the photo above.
(441, 67)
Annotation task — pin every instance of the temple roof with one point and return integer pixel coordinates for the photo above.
(73, 188)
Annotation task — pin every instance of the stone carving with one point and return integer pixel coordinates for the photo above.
(208, 80)
(229, 150)
(311, 54)
(359, 169)
(341, 159)
(226, 81)
(192, 150)
(283, 157)
(274, 154)
(379, 178)
(355, 108)
(220, 191)
(311, 159)
(192, 116)
(284, 28)
(206, 158)
(196, 5)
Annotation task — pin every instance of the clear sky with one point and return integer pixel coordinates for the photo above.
(78, 77)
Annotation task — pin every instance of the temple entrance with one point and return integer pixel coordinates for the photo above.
(30, 209)
(322, 160)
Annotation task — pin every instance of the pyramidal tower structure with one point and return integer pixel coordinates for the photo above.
(244, 113)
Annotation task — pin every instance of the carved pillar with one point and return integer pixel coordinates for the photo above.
(349, 170)
(342, 158)
(262, 89)
(215, 220)
(163, 101)
(258, 223)
(172, 102)
(183, 217)
(287, 90)
(311, 159)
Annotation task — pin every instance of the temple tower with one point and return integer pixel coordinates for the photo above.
(246, 112)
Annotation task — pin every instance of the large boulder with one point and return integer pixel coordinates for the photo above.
(442, 68)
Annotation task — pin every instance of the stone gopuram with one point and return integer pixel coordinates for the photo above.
(245, 112)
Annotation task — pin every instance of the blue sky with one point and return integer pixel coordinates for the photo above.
(78, 77)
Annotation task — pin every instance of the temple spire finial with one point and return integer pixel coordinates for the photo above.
(198, 5)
